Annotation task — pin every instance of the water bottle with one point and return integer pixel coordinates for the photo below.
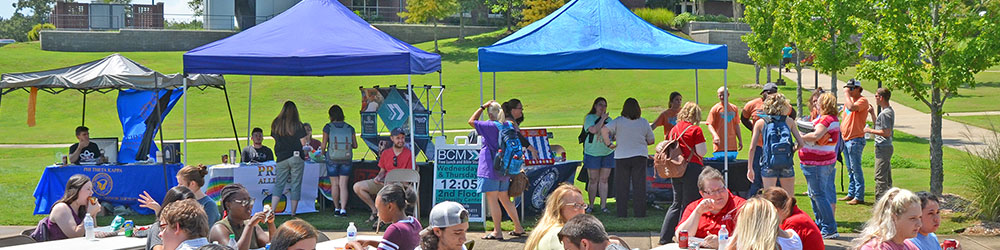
(723, 237)
(88, 225)
(352, 232)
(232, 241)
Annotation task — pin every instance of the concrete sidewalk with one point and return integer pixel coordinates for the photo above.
(909, 120)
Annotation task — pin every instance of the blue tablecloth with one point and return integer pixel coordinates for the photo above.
(117, 184)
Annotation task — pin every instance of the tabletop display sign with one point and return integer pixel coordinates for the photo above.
(369, 123)
(455, 175)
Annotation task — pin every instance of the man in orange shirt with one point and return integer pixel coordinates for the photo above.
(852, 130)
(724, 124)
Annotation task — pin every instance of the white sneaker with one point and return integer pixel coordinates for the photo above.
(831, 236)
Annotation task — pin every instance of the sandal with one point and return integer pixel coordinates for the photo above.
(516, 234)
(491, 236)
(371, 218)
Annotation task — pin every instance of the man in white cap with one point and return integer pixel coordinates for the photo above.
(449, 222)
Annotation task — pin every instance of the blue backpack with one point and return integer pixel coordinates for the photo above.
(509, 157)
(778, 145)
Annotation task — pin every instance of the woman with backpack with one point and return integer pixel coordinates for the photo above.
(492, 182)
(633, 135)
(338, 145)
(777, 131)
(598, 159)
(691, 141)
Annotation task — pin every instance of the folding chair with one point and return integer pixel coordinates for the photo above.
(407, 176)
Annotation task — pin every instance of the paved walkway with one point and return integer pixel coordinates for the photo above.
(911, 121)
(640, 240)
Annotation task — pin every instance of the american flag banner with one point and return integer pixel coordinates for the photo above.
(538, 138)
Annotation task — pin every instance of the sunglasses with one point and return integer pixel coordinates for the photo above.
(577, 205)
(714, 192)
(245, 203)
(395, 160)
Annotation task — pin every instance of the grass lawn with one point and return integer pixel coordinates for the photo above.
(550, 99)
(980, 98)
(991, 122)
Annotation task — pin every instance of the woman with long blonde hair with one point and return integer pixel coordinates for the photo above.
(775, 108)
(758, 228)
(895, 218)
(564, 203)
(491, 183)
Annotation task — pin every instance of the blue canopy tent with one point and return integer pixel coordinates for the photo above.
(313, 38)
(598, 34)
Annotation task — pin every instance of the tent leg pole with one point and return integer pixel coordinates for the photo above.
(185, 95)
(725, 125)
(232, 121)
(83, 117)
(494, 85)
(249, 103)
(481, 101)
(413, 152)
(696, 98)
(441, 100)
(159, 128)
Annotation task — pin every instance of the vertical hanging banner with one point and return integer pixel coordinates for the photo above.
(455, 176)
(136, 110)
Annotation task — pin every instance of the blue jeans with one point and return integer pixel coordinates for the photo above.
(757, 183)
(853, 149)
(822, 193)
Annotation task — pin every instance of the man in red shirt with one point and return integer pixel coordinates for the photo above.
(397, 157)
(704, 217)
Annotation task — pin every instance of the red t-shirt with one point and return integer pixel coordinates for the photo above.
(800, 222)
(390, 161)
(711, 223)
(692, 137)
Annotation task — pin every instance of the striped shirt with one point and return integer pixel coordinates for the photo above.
(824, 151)
(402, 235)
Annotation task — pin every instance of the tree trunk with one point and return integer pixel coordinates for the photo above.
(435, 31)
(937, 164)
(833, 52)
(798, 71)
(461, 26)
(509, 16)
(769, 73)
(756, 68)
(833, 83)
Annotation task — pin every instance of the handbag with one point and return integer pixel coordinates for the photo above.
(518, 184)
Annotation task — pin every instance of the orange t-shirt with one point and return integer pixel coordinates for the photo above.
(853, 124)
(667, 119)
(716, 118)
(753, 110)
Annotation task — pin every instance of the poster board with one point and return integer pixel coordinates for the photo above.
(455, 175)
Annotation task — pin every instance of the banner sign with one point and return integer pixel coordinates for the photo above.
(259, 179)
(369, 124)
(136, 111)
(117, 184)
(455, 176)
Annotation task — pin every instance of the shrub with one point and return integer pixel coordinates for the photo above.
(662, 18)
(36, 30)
(983, 169)
(686, 17)
(682, 19)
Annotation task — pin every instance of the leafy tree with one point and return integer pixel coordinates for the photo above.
(422, 11)
(507, 7)
(824, 28)
(465, 6)
(765, 39)
(196, 7)
(929, 48)
(17, 27)
(40, 9)
(535, 10)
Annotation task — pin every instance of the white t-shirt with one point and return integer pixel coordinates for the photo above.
(793, 243)
(631, 136)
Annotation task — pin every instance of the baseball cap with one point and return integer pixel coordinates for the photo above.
(852, 84)
(398, 131)
(769, 87)
(448, 213)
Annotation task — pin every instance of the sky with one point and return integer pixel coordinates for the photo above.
(173, 9)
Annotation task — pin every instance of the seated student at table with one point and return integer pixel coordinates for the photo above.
(66, 219)
(759, 227)
(295, 234)
(153, 240)
(704, 217)
(792, 218)
(397, 157)
(403, 232)
(257, 152)
(315, 144)
(84, 152)
(930, 220)
(586, 232)
(237, 204)
(183, 225)
(449, 224)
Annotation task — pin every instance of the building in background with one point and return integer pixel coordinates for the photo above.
(105, 16)
(242, 14)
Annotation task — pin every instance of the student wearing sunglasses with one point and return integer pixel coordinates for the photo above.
(239, 220)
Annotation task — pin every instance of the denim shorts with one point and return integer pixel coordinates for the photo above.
(598, 162)
(776, 172)
(492, 185)
(338, 169)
